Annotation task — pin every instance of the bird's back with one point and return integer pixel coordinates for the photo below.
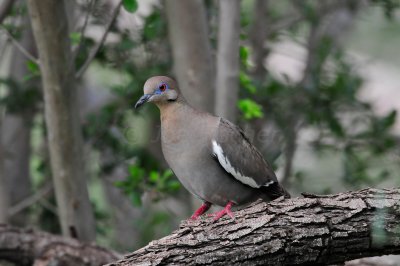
(188, 141)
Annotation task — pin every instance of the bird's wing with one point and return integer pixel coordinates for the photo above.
(242, 160)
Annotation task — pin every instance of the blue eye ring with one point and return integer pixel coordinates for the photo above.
(163, 87)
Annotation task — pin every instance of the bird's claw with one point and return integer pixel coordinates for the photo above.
(223, 212)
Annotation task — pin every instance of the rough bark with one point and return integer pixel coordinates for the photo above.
(191, 50)
(27, 247)
(50, 28)
(314, 230)
(227, 86)
(16, 133)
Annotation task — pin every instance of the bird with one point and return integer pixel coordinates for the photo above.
(211, 156)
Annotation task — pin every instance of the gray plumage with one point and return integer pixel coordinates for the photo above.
(211, 157)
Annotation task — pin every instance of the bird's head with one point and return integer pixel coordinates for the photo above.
(159, 90)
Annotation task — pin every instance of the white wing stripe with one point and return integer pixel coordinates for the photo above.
(269, 183)
(226, 164)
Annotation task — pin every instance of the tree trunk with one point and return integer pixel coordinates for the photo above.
(27, 247)
(257, 38)
(315, 230)
(16, 133)
(4, 205)
(193, 62)
(50, 28)
(227, 86)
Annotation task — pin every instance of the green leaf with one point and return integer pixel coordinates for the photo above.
(154, 176)
(244, 52)
(136, 199)
(153, 27)
(334, 125)
(136, 174)
(120, 184)
(174, 185)
(34, 70)
(130, 5)
(167, 174)
(250, 109)
(32, 67)
(389, 120)
(245, 82)
(75, 37)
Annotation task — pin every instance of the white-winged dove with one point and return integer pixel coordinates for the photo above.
(211, 157)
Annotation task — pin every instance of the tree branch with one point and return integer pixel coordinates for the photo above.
(27, 247)
(315, 230)
(83, 28)
(96, 49)
(27, 54)
(29, 201)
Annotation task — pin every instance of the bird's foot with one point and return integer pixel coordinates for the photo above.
(203, 208)
(223, 212)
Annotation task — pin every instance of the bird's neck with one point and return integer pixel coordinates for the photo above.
(175, 117)
(172, 107)
(173, 121)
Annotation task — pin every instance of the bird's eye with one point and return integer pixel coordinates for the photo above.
(162, 87)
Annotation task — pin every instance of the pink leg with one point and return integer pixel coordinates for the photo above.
(203, 208)
(224, 211)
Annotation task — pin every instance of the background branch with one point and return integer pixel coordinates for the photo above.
(42, 192)
(91, 5)
(96, 49)
(27, 247)
(19, 46)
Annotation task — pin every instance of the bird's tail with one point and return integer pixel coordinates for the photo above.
(275, 191)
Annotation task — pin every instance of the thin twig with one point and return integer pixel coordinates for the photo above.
(19, 46)
(47, 205)
(285, 23)
(25, 203)
(93, 53)
(84, 26)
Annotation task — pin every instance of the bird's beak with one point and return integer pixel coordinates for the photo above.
(144, 99)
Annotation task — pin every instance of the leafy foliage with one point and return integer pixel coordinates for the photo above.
(325, 100)
(19, 96)
(130, 5)
(389, 6)
(250, 109)
(138, 181)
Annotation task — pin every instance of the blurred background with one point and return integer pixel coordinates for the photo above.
(315, 85)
